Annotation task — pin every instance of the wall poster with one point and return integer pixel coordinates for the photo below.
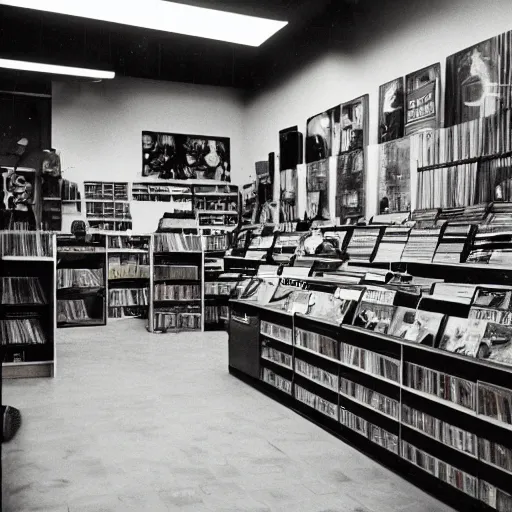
(181, 157)
(391, 110)
(317, 186)
(323, 135)
(350, 186)
(478, 81)
(395, 176)
(422, 99)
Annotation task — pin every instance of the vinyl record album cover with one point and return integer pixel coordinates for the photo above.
(395, 176)
(323, 135)
(375, 317)
(478, 80)
(350, 186)
(422, 99)
(464, 336)
(391, 110)
(416, 326)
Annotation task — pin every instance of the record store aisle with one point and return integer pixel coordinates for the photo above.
(136, 422)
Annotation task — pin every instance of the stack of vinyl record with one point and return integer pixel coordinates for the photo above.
(492, 245)
(362, 244)
(500, 213)
(392, 245)
(421, 246)
(474, 214)
(449, 215)
(425, 218)
(451, 248)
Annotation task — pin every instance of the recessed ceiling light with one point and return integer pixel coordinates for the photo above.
(165, 16)
(55, 70)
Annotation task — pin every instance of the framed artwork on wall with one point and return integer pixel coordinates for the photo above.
(394, 194)
(181, 157)
(422, 99)
(391, 110)
(478, 81)
(323, 135)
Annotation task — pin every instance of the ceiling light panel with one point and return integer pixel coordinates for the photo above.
(37, 67)
(164, 16)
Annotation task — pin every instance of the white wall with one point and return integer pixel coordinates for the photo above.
(392, 39)
(97, 126)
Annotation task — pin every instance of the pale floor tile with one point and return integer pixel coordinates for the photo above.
(136, 422)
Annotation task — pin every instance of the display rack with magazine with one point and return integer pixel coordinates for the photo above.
(27, 304)
(451, 411)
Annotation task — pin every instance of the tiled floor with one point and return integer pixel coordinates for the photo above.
(137, 422)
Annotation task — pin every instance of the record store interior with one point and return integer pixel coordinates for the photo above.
(256, 256)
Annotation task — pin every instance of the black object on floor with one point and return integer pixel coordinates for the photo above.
(11, 422)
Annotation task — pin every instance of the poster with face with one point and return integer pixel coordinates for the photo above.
(422, 99)
(478, 80)
(323, 135)
(391, 110)
(181, 157)
(395, 176)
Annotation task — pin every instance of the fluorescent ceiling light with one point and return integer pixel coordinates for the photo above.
(55, 70)
(165, 16)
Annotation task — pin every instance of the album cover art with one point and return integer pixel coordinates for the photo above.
(422, 99)
(391, 110)
(181, 157)
(354, 124)
(375, 317)
(324, 306)
(416, 326)
(317, 186)
(478, 80)
(289, 185)
(350, 186)
(464, 336)
(323, 135)
(395, 176)
(494, 298)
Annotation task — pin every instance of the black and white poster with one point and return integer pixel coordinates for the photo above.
(422, 99)
(167, 156)
(323, 135)
(391, 110)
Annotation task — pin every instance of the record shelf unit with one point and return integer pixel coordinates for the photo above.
(82, 286)
(128, 276)
(442, 420)
(217, 285)
(176, 290)
(107, 207)
(27, 306)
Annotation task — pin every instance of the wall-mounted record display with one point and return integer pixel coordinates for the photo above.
(478, 80)
(422, 99)
(391, 110)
